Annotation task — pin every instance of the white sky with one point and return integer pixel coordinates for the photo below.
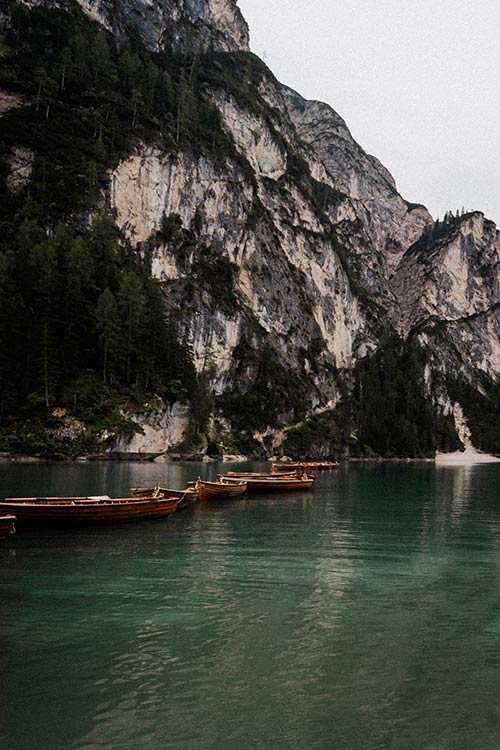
(418, 82)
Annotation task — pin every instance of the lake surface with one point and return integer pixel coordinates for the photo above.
(362, 616)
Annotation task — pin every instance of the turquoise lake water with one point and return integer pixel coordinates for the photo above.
(362, 616)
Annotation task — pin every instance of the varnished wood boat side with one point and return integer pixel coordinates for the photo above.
(188, 496)
(258, 474)
(224, 490)
(85, 511)
(279, 485)
(285, 468)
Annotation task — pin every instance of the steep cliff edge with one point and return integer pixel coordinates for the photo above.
(262, 266)
(391, 224)
(184, 25)
(448, 290)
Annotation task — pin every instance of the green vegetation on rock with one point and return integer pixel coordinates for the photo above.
(87, 334)
(385, 411)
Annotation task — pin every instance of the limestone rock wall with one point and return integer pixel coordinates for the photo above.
(323, 250)
(181, 24)
(161, 428)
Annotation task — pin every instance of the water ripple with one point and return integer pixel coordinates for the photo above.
(365, 615)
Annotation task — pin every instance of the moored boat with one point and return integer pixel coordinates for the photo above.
(7, 526)
(286, 468)
(187, 497)
(282, 469)
(260, 474)
(277, 483)
(320, 465)
(224, 489)
(80, 511)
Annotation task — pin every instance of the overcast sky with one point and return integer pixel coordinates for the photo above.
(418, 82)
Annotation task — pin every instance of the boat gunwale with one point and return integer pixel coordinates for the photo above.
(86, 502)
(222, 490)
(225, 484)
(277, 483)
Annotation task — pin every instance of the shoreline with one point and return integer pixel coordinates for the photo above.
(465, 458)
(469, 457)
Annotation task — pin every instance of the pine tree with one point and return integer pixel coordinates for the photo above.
(79, 67)
(130, 301)
(43, 266)
(108, 327)
(103, 68)
(78, 296)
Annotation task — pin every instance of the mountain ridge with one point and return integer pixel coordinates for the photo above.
(284, 252)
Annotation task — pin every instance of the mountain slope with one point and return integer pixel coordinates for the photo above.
(294, 277)
(166, 24)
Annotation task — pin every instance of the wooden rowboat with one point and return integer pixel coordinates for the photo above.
(286, 468)
(187, 497)
(7, 526)
(81, 511)
(278, 484)
(260, 475)
(221, 490)
(320, 465)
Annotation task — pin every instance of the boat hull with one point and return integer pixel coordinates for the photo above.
(286, 468)
(221, 490)
(320, 466)
(82, 512)
(187, 497)
(305, 466)
(260, 475)
(278, 485)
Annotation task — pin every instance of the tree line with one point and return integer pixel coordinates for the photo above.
(385, 410)
(76, 300)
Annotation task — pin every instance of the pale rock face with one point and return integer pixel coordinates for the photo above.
(20, 162)
(186, 25)
(328, 261)
(162, 428)
(151, 183)
(291, 276)
(96, 10)
(163, 265)
(253, 139)
(452, 288)
(407, 232)
(390, 225)
(140, 192)
(225, 16)
(466, 346)
(455, 410)
(354, 173)
(215, 337)
(275, 438)
(447, 281)
(469, 454)
(9, 100)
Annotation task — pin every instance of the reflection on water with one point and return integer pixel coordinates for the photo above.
(363, 615)
(461, 489)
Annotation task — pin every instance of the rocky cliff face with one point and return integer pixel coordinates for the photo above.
(301, 242)
(178, 24)
(450, 286)
(330, 264)
(391, 225)
(293, 242)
